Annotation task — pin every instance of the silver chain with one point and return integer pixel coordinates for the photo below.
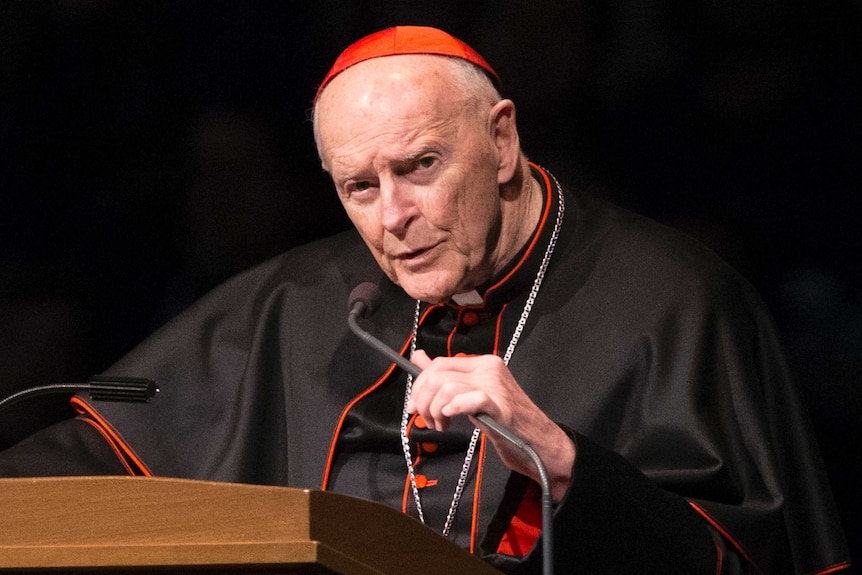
(468, 459)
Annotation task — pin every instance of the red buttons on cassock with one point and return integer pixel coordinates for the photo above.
(420, 423)
(429, 447)
(422, 482)
(470, 318)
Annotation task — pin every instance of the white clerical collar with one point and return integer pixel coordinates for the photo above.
(468, 298)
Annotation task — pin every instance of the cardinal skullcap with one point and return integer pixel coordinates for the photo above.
(406, 40)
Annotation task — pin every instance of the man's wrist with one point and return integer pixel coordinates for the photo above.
(563, 462)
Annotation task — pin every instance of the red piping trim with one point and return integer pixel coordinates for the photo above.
(427, 311)
(719, 562)
(477, 494)
(107, 438)
(111, 435)
(724, 533)
(536, 236)
(331, 456)
(452, 334)
(335, 433)
(480, 465)
(835, 568)
(499, 329)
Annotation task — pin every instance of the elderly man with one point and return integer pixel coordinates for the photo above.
(642, 370)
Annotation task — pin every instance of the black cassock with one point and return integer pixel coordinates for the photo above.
(693, 450)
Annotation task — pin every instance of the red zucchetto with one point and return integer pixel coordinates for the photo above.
(406, 40)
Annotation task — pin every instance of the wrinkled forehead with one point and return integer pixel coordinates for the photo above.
(383, 111)
(388, 93)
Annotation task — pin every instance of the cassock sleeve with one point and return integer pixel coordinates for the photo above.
(714, 469)
(613, 519)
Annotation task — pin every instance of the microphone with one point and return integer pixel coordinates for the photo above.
(100, 388)
(364, 300)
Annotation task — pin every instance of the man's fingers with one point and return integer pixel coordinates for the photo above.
(420, 359)
(468, 403)
(454, 386)
(438, 403)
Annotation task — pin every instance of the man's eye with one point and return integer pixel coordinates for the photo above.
(361, 186)
(426, 162)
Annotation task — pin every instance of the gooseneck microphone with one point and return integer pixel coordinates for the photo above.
(100, 388)
(364, 301)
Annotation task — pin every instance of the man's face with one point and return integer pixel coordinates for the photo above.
(416, 170)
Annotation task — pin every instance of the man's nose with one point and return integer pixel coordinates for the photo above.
(397, 205)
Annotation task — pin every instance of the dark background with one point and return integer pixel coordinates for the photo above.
(150, 150)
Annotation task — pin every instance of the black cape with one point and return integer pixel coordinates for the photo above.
(694, 452)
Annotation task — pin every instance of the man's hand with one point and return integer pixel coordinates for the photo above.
(461, 385)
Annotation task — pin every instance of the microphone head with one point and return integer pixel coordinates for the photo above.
(367, 294)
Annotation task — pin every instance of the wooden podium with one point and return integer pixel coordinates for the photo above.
(145, 525)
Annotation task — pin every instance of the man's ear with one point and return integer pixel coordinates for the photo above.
(504, 134)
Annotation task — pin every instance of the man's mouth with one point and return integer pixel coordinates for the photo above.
(414, 256)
